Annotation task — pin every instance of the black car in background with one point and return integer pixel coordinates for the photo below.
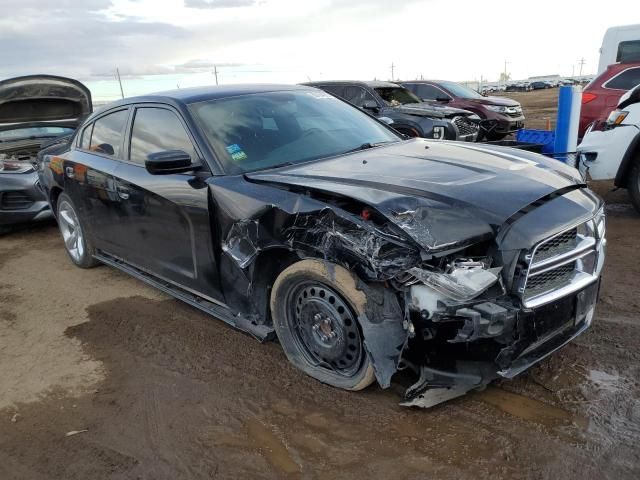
(285, 211)
(35, 111)
(410, 115)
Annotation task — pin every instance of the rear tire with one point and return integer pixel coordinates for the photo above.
(76, 243)
(633, 185)
(315, 306)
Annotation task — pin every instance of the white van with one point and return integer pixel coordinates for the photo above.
(620, 44)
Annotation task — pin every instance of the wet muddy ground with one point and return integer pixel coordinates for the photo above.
(103, 377)
(156, 389)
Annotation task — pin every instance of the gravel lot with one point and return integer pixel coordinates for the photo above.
(103, 377)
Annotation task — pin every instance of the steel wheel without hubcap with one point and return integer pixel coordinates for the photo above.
(71, 231)
(325, 327)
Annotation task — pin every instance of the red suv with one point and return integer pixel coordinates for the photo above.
(603, 93)
(500, 116)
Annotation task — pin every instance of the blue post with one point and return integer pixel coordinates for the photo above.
(569, 103)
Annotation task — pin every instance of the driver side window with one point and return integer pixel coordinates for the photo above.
(157, 130)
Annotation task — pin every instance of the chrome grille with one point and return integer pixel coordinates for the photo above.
(465, 126)
(550, 280)
(558, 245)
(559, 265)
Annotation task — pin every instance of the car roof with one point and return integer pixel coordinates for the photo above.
(368, 83)
(200, 94)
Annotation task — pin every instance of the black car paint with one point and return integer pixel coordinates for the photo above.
(417, 119)
(217, 241)
(29, 102)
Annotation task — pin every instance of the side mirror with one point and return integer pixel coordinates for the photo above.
(168, 162)
(370, 105)
(387, 120)
(443, 99)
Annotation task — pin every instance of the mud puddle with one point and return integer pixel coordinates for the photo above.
(184, 396)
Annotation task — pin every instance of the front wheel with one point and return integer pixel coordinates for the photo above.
(315, 307)
(633, 184)
(76, 243)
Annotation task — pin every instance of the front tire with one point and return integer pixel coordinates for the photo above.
(78, 246)
(633, 185)
(315, 306)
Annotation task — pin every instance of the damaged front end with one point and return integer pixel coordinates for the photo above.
(475, 319)
(457, 296)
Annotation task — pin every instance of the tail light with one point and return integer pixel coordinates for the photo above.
(588, 97)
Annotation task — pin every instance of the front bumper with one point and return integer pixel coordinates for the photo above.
(601, 152)
(22, 200)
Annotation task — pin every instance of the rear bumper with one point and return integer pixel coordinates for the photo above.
(22, 200)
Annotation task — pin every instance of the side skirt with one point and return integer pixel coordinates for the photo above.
(224, 313)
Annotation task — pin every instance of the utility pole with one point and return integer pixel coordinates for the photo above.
(392, 71)
(573, 71)
(119, 81)
(215, 72)
(505, 71)
(581, 63)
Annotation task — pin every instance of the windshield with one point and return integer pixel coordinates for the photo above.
(460, 90)
(34, 133)
(394, 96)
(265, 130)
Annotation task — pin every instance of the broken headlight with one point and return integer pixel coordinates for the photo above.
(463, 281)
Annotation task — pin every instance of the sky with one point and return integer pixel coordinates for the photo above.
(164, 44)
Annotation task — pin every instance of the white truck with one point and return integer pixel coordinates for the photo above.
(612, 150)
(620, 44)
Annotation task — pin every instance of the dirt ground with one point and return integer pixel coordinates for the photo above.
(103, 377)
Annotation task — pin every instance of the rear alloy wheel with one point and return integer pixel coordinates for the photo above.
(76, 243)
(315, 315)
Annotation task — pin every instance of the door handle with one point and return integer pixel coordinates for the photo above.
(123, 193)
(70, 172)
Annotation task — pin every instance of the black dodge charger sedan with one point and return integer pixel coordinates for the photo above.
(287, 212)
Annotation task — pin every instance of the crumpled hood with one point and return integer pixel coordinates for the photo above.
(425, 109)
(43, 98)
(440, 193)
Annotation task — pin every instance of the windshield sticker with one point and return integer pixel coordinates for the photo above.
(236, 153)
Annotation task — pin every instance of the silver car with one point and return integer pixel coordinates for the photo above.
(36, 111)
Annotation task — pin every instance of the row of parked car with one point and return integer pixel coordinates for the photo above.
(289, 211)
(528, 85)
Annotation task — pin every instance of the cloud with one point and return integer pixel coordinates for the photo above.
(81, 39)
(219, 3)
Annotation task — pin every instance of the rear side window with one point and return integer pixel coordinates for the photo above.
(628, 51)
(625, 80)
(107, 133)
(157, 130)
